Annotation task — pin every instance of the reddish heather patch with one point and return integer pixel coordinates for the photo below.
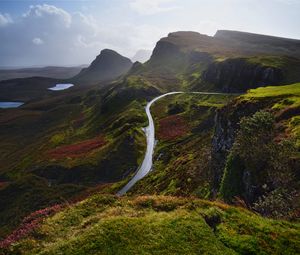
(29, 224)
(78, 149)
(172, 127)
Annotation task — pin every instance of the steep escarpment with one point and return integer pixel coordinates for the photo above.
(237, 75)
(255, 150)
(229, 61)
(241, 74)
(107, 66)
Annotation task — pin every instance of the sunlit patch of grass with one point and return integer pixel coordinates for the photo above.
(292, 92)
(158, 224)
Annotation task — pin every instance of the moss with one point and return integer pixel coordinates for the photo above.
(232, 182)
(159, 225)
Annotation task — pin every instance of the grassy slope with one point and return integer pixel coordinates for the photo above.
(29, 133)
(158, 225)
(182, 162)
(285, 103)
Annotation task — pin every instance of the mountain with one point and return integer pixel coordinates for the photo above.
(57, 72)
(203, 62)
(225, 165)
(107, 66)
(141, 56)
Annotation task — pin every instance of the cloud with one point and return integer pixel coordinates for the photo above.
(146, 7)
(289, 2)
(37, 41)
(48, 13)
(64, 33)
(5, 19)
(66, 38)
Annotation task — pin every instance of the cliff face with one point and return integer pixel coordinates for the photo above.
(264, 158)
(226, 126)
(238, 75)
(249, 61)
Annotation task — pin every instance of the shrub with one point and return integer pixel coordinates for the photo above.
(258, 169)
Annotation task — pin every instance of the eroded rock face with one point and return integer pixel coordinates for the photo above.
(226, 127)
(238, 75)
(222, 142)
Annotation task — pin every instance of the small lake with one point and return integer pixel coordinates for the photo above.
(6, 105)
(61, 86)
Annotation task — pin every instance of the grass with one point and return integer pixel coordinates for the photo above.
(104, 224)
(78, 143)
(275, 91)
(181, 158)
(284, 101)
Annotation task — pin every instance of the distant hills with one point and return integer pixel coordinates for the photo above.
(58, 72)
(142, 56)
(230, 61)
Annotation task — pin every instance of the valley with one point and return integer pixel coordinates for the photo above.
(195, 150)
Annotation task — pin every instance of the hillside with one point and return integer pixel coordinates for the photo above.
(66, 154)
(147, 225)
(193, 61)
(108, 66)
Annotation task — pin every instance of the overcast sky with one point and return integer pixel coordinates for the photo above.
(72, 32)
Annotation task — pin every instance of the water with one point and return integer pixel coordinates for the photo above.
(61, 86)
(6, 105)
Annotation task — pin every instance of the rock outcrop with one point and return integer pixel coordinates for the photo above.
(238, 75)
(226, 127)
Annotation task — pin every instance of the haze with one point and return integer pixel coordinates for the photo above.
(40, 33)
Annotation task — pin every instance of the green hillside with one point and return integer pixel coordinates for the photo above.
(225, 176)
(157, 225)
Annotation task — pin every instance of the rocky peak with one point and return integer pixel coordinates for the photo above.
(108, 65)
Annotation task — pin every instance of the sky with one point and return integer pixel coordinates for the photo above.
(73, 32)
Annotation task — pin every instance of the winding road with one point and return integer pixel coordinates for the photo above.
(146, 166)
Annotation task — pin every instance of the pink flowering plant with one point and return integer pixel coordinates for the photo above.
(29, 224)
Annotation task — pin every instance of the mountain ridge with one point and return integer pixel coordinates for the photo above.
(108, 65)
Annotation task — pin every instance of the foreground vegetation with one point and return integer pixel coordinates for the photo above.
(159, 225)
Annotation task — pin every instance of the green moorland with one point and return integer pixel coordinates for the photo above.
(62, 147)
(157, 225)
(105, 224)
(184, 128)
